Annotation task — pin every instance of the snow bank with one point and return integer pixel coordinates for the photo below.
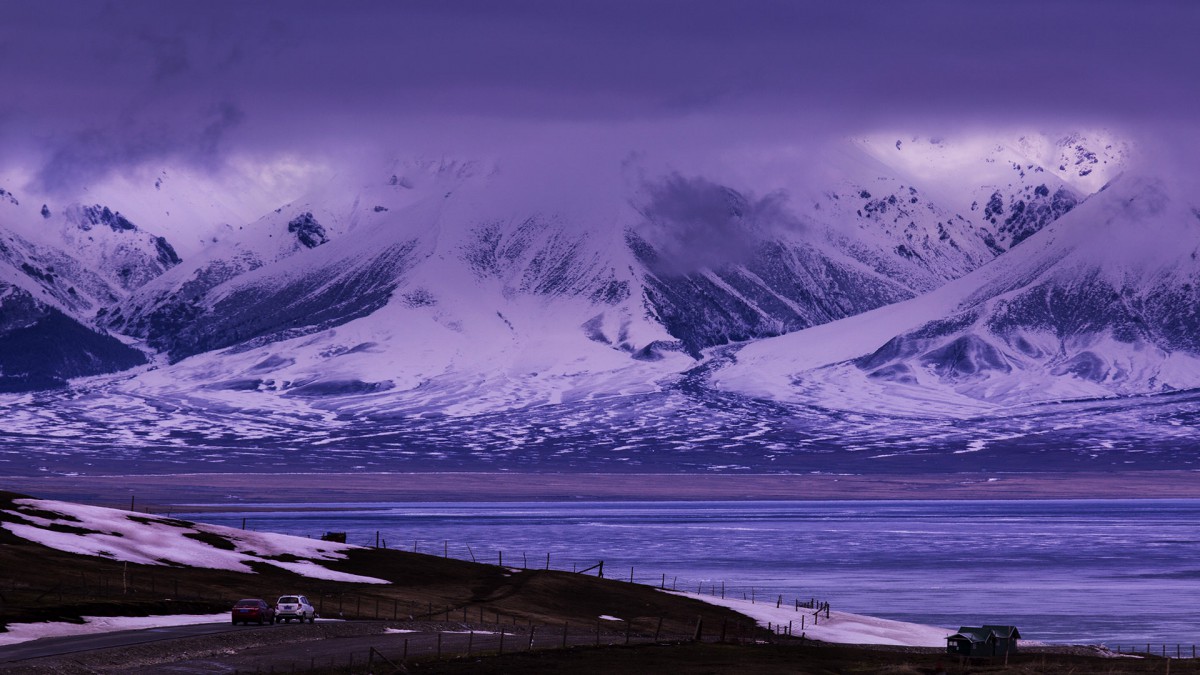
(154, 540)
(842, 627)
(24, 632)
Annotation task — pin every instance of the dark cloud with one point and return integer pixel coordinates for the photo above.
(316, 74)
(90, 154)
(697, 224)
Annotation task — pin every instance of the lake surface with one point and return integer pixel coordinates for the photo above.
(1105, 571)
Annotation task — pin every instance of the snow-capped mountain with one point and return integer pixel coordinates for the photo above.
(1102, 302)
(57, 270)
(448, 284)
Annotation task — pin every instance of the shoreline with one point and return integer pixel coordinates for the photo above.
(250, 488)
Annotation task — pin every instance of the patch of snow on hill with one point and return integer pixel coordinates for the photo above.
(156, 540)
(841, 627)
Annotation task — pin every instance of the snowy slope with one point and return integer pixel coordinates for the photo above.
(839, 627)
(156, 540)
(1100, 303)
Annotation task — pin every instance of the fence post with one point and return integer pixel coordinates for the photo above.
(628, 630)
(532, 632)
(658, 629)
(439, 645)
(564, 640)
(699, 629)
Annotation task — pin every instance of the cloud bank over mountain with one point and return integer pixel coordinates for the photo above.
(111, 87)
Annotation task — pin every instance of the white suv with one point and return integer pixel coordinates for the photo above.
(290, 607)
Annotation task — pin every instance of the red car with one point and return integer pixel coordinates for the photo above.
(253, 609)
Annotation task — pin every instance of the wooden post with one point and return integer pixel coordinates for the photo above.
(722, 590)
(470, 641)
(131, 504)
(445, 548)
(597, 632)
(471, 552)
(547, 560)
(779, 602)
(663, 586)
(658, 629)
(631, 574)
(723, 622)
(502, 640)
(439, 645)
(376, 538)
(699, 629)
(243, 523)
(524, 561)
(564, 640)
(532, 632)
(628, 630)
(500, 558)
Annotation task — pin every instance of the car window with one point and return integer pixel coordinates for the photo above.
(290, 599)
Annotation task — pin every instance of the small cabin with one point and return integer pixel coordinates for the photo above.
(339, 537)
(983, 641)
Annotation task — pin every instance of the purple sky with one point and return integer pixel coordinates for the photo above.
(90, 87)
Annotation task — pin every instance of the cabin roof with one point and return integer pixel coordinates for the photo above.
(985, 633)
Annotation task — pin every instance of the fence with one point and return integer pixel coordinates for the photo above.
(1160, 650)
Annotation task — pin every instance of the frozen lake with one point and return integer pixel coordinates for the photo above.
(1101, 571)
